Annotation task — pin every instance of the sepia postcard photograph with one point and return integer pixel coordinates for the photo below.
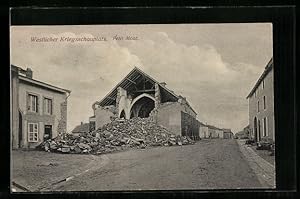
(142, 107)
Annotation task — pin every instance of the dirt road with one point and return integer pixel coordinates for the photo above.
(208, 164)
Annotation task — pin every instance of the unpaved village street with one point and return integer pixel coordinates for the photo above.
(215, 163)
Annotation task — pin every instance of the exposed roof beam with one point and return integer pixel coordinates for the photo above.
(131, 81)
(144, 90)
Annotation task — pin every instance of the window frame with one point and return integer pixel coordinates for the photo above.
(265, 127)
(31, 96)
(35, 134)
(45, 106)
(264, 102)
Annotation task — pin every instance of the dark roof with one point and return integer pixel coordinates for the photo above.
(227, 130)
(37, 82)
(82, 128)
(212, 127)
(134, 76)
(268, 68)
(240, 133)
(201, 123)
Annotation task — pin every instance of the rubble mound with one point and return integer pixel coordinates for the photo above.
(118, 135)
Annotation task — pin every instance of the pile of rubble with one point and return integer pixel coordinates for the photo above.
(118, 135)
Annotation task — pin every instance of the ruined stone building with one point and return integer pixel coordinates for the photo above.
(261, 105)
(38, 109)
(139, 95)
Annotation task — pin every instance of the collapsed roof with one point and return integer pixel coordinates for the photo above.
(138, 82)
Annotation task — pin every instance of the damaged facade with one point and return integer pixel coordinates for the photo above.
(139, 95)
(261, 106)
(38, 110)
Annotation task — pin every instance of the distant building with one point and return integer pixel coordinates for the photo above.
(203, 130)
(212, 132)
(241, 135)
(227, 134)
(261, 105)
(38, 109)
(81, 129)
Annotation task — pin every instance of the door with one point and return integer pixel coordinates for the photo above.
(48, 132)
(20, 129)
(255, 130)
(259, 133)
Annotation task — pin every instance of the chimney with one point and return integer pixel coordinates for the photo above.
(163, 84)
(29, 73)
(81, 123)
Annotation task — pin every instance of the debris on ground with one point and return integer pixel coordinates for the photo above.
(50, 164)
(118, 135)
(266, 143)
(250, 142)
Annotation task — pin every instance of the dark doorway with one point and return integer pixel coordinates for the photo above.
(122, 115)
(259, 134)
(146, 108)
(255, 130)
(131, 115)
(142, 108)
(20, 129)
(48, 132)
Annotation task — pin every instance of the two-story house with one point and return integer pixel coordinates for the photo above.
(261, 105)
(38, 109)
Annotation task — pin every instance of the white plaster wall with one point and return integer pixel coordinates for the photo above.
(41, 118)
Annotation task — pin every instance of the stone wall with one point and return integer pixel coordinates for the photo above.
(14, 109)
(157, 96)
(103, 116)
(62, 122)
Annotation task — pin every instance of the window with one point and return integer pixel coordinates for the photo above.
(264, 98)
(32, 103)
(33, 132)
(265, 126)
(263, 84)
(257, 106)
(255, 93)
(48, 106)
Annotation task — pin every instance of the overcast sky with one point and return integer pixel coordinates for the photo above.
(213, 65)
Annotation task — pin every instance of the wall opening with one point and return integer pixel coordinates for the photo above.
(255, 130)
(122, 115)
(20, 129)
(142, 107)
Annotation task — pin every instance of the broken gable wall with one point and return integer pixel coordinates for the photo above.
(103, 115)
(169, 115)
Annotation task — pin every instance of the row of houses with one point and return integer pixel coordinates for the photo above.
(209, 131)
